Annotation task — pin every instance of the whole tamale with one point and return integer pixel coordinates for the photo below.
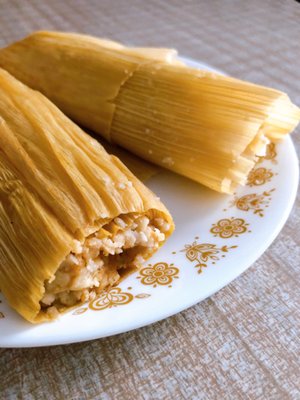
(73, 219)
(205, 126)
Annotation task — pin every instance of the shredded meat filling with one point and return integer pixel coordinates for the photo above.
(96, 263)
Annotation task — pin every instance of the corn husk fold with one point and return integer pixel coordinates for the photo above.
(205, 126)
(57, 185)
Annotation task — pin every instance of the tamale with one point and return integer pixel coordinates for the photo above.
(205, 126)
(73, 219)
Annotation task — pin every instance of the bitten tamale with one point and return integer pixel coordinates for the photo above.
(208, 127)
(73, 219)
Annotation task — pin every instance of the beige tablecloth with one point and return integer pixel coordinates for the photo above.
(243, 342)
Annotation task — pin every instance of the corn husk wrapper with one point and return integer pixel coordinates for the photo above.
(142, 169)
(205, 126)
(57, 184)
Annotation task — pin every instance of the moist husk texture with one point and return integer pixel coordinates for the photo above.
(142, 169)
(57, 184)
(205, 126)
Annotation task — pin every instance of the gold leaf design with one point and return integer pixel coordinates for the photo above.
(253, 201)
(259, 176)
(142, 295)
(228, 227)
(80, 311)
(111, 298)
(270, 155)
(2, 315)
(161, 274)
(204, 252)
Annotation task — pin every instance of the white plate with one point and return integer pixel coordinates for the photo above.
(217, 238)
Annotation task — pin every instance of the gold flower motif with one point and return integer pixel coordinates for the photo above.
(80, 311)
(111, 298)
(204, 252)
(142, 295)
(259, 176)
(270, 154)
(159, 274)
(226, 228)
(253, 201)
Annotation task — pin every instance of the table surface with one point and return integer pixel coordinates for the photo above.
(249, 345)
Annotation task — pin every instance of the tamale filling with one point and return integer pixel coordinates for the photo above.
(101, 259)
